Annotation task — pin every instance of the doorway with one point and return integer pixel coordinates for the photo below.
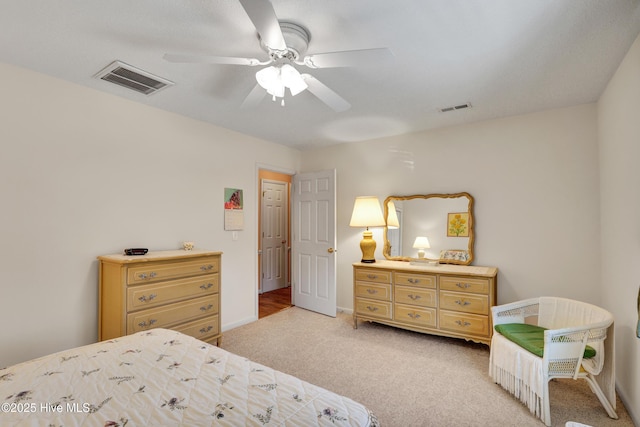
(274, 244)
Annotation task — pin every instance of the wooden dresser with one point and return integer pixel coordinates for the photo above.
(448, 300)
(177, 290)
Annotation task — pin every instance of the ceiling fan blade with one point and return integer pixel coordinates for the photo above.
(254, 98)
(326, 95)
(266, 22)
(211, 59)
(348, 58)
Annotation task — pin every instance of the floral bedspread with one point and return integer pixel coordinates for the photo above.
(164, 378)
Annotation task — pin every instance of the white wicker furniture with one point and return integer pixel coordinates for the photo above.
(571, 326)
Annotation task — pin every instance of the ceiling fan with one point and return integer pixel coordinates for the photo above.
(286, 44)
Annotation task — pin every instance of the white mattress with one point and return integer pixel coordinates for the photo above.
(164, 378)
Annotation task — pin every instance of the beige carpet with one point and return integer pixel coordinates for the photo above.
(405, 378)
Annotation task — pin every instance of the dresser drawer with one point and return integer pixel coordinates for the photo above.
(464, 323)
(371, 275)
(373, 290)
(373, 308)
(415, 296)
(420, 316)
(171, 314)
(469, 303)
(465, 284)
(202, 328)
(157, 271)
(413, 279)
(152, 295)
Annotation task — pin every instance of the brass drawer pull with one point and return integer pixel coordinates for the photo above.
(206, 267)
(413, 281)
(463, 323)
(371, 291)
(144, 298)
(372, 308)
(205, 330)
(462, 303)
(414, 297)
(414, 316)
(144, 324)
(206, 308)
(463, 285)
(372, 276)
(206, 286)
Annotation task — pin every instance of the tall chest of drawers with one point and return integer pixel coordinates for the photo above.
(447, 300)
(177, 290)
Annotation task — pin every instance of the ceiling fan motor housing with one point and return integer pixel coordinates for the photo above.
(297, 39)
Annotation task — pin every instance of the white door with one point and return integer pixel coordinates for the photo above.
(313, 241)
(274, 235)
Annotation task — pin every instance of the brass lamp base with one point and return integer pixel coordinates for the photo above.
(368, 247)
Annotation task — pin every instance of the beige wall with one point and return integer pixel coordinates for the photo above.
(534, 179)
(619, 154)
(83, 173)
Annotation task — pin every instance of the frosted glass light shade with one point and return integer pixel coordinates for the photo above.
(292, 79)
(276, 79)
(367, 213)
(267, 77)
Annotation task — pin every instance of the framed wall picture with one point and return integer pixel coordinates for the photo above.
(458, 224)
(233, 209)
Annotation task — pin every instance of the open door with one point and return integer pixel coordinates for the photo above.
(313, 241)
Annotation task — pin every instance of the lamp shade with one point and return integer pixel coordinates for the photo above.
(392, 216)
(367, 213)
(421, 242)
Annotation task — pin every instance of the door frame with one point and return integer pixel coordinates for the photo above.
(287, 227)
(265, 171)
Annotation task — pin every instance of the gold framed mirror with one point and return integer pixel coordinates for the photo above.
(430, 227)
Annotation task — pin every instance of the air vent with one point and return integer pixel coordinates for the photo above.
(454, 108)
(133, 78)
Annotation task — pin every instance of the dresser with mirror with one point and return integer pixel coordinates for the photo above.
(426, 282)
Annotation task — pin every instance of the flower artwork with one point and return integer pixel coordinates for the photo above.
(458, 224)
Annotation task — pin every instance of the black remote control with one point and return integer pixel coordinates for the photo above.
(136, 251)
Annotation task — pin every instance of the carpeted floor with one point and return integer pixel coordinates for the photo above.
(405, 378)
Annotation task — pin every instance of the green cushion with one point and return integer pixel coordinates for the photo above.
(531, 338)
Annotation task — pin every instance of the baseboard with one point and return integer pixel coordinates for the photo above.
(630, 410)
(344, 310)
(239, 323)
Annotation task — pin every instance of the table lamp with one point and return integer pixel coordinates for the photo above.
(421, 243)
(367, 213)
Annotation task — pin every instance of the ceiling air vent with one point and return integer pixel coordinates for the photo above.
(454, 108)
(133, 78)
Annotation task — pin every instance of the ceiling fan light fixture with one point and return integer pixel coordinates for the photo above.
(292, 79)
(275, 79)
(267, 77)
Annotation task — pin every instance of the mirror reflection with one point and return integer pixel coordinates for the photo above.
(430, 227)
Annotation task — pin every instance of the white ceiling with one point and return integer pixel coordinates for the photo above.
(505, 57)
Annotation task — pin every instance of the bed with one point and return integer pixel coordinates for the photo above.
(164, 378)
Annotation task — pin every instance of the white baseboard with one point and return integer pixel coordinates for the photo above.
(239, 323)
(344, 310)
